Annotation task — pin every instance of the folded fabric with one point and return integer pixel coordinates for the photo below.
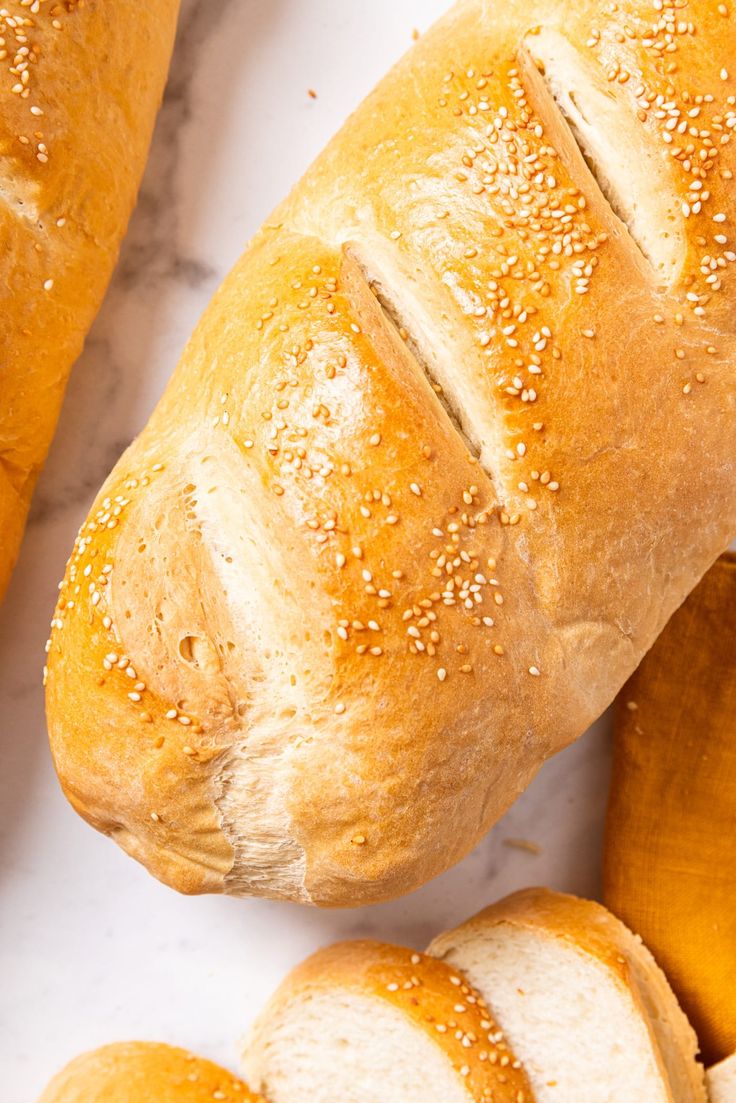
(670, 860)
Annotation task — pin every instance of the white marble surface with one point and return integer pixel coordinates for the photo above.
(92, 948)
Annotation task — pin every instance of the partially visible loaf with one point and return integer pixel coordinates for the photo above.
(144, 1072)
(80, 83)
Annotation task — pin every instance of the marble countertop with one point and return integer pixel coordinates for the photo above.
(93, 949)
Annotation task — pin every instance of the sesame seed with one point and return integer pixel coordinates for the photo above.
(48, 284)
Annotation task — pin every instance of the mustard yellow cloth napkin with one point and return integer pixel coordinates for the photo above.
(670, 858)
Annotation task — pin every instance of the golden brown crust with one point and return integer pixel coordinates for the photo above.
(161, 505)
(144, 1072)
(80, 83)
(595, 932)
(429, 993)
(379, 638)
(584, 924)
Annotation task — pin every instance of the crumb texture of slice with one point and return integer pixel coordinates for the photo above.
(722, 1081)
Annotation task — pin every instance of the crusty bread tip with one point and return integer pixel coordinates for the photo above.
(144, 1072)
(451, 443)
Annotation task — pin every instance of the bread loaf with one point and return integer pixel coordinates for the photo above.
(143, 1072)
(81, 83)
(450, 445)
(582, 1001)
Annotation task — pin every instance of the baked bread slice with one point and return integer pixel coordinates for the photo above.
(581, 1000)
(451, 444)
(82, 81)
(144, 1072)
(364, 1022)
(722, 1082)
(542, 997)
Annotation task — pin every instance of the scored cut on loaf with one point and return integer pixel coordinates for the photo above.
(81, 83)
(361, 1022)
(144, 1072)
(581, 1000)
(722, 1082)
(448, 448)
